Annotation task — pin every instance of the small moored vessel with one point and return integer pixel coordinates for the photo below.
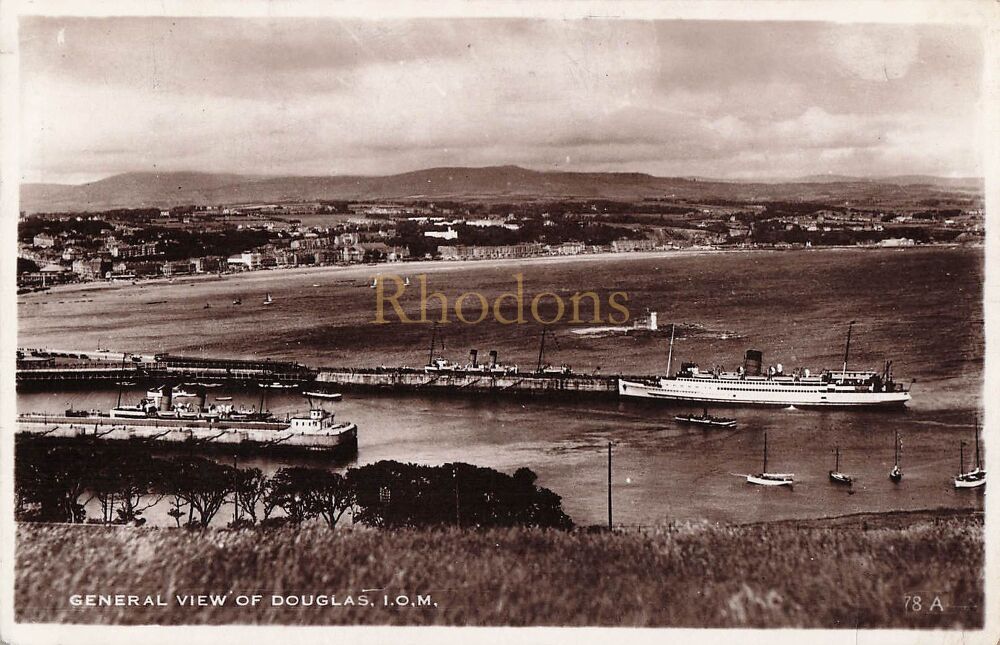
(838, 477)
(268, 300)
(765, 478)
(329, 396)
(973, 478)
(896, 474)
(705, 419)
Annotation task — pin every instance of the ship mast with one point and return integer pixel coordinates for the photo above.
(765, 452)
(847, 349)
(670, 352)
(430, 357)
(541, 350)
(976, 430)
(121, 382)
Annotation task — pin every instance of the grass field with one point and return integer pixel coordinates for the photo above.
(847, 573)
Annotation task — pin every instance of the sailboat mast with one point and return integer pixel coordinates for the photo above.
(121, 382)
(837, 466)
(430, 357)
(978, 465)
(847, 349)
(670, 352)
(897, 449)
(961, 457)
(765, 452)
(541, 350)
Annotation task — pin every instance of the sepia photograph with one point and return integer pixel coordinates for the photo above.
(639, 317)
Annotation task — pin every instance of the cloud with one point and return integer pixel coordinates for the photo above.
(102, 96)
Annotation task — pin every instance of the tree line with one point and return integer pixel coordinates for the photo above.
(56, 480)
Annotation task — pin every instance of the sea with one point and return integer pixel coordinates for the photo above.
(921, 308)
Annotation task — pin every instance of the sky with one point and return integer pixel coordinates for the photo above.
(287, 96)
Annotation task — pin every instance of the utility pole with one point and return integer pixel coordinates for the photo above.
(454, 476)
(609, 486)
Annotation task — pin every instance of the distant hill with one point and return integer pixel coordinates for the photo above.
(162, 190)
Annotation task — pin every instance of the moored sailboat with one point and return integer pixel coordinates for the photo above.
(896, 474)
(765, 478)
(972, 478)
(838, 477)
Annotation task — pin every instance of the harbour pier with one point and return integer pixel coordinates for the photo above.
(186, 435)
(403, 379)
(47, 369)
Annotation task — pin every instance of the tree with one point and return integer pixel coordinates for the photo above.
(202, 483)
(250, 487)
(289, 489)
(51, 477)
(329, 495)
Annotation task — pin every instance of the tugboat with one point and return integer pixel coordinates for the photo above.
(705, 419)
(437, 365)
(838, 477)
(545, 369)
(896, 474)
(973, 478)
(751, 385)
(765, 478)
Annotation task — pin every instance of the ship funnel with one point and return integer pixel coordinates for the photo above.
(752, 361)
(473, 354)
(493, 358)
(201, 397)
(165, 398)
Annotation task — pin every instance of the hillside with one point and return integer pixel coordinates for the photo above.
(136, 190)
(833, 574)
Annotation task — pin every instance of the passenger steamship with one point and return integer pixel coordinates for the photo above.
(750, 385)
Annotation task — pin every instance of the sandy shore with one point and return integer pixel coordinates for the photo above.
(367, 271)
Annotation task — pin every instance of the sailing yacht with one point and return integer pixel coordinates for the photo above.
(896, 474)
(838, 477)
(268, 299)
(973, 478)
(765, 478)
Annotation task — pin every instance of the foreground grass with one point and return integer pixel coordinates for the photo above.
(842, 574)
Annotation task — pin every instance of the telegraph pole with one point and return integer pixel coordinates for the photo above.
(609, 485)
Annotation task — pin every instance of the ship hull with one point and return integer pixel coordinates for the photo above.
(740, 394)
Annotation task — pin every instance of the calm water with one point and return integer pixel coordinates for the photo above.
(921, 308)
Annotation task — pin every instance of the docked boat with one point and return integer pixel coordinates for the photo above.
(896, 474)
(972, 478)
(705, 419)
(751, 385)
(838, 477)
(277, 385)
(765, 478)
(329, 396)
(144, 409)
